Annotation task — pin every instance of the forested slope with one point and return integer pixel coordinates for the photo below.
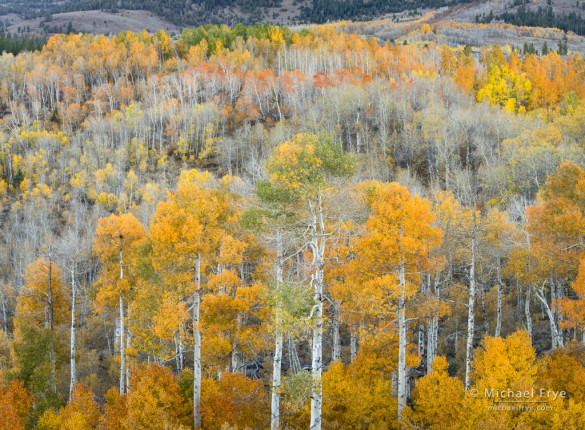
(253, 228)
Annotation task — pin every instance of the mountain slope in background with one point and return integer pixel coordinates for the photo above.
(114, 16)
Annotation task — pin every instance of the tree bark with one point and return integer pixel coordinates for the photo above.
(295, 363)
(470, 311)
(499, 311)
(122, 348)
(122, 345)
(277, 361)
(128, 344)
(402, 380)
(555, 334)
(527, 313)
(317, 351)
(318, 248)
(197, 347)
(336, 353)
(235, 352)
(432, 332)
(352, 345)
(50, 296)
(72, 352)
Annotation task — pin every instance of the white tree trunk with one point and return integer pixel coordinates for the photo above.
(527, 313)
(72, 337)
(432, 333)
(555, 333)
(4, 316)
(470, 313)
(235, 352)
(318, 248)
(179, 351)
(128, 345)
(295, 363)
(352, 345)
(122, 348)
(499, 311)
(50, 304)
(275, 404)
(336, 353)
(197, 347)
(317, 351)
(277, 362)
(402, 380)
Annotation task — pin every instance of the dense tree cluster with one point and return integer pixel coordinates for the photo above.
(540, 17)
(14, 44)
(254, 227)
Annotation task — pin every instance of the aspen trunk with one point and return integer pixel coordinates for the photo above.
(122, 348)
(295, 363)
(318, 245)
(432, 334)
(72, 352)
(275, 403)
(128, 344)
(499, 311)
(277, 362)
(179, 352)
(527, 313)
(401, 343)
(317, 351)
(470, 311)
(336, 353)
(50, 297)
(197, 347)
(352, 345)
(555, 334)
(235, 352)
(4, 316)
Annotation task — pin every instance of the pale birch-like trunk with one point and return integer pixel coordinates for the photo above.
(402, 380)
(4, 316)
(179, 352)
(197, 347)
(317, 351)
(352, 345)
(72, 352)
(336, 353)
(471, 311)
(295, 363)
(555, 334)
(276, 381)
(432, 334)
(277, 362)
(499, 311)
(50, 297)
(122, 346)
(128, 344)
(432, 327)
(317, 245)
(527, 313)
(235, 353)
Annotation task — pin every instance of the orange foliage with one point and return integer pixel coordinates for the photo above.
(233, 399)
(15, 404)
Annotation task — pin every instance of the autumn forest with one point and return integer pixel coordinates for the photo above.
(265, 228)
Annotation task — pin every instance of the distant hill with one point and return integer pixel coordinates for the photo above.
(189, 13)
(112, 16)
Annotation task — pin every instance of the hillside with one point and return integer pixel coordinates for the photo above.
(18, 14)
(264, 227)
